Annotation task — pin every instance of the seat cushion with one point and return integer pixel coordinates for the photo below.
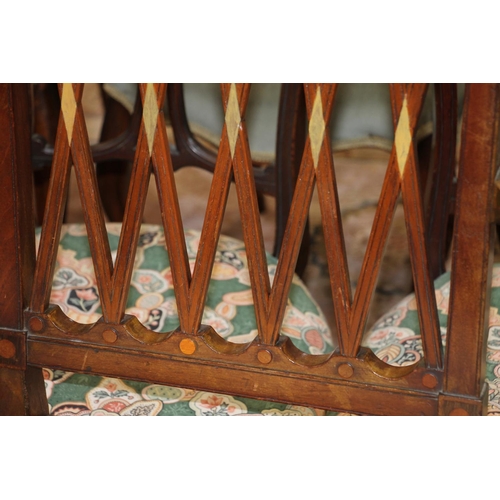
(229, 310)
(396, 339)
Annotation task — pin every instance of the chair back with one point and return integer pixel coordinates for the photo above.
(448, 380)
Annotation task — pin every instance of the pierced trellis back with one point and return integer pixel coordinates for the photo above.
(270, 367)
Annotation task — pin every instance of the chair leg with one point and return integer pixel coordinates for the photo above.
(22, 392)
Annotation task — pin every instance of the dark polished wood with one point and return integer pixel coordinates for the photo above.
(34, 334)
(472, 247)
(22, 391)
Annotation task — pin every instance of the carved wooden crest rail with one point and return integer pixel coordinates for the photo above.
(350, 379)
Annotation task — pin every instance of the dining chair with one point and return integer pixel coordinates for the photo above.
(177, 322)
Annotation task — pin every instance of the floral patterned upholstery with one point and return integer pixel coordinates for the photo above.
(394, 338)
(229, 310)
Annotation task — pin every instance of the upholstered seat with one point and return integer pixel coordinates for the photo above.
(396, 339)
(229, 310)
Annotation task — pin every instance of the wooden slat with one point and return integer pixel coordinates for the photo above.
(171, 217)
(53, 217)
(290, 247)
(415, 228)
(373, 254)
(234, 377)
(410, 96)
(332, 221)
(236, 95)
(209, 237)
(132, 220)
(91, 205)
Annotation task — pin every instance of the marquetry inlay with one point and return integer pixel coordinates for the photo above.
(68, 108)
(187, 346)
(7, 349)
(402, 138)
(233, 118)
(316, 127)
(150, 115)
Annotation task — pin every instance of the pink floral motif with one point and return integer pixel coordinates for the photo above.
(211, 401)
(86, 294)
(314, 339)
(147, 281)
(110, 386)
(214, 401)
(114, 406)
(207, 404)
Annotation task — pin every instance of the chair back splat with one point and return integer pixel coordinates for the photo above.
(36, 333)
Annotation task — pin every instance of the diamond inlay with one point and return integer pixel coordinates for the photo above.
(233, 119)
(150, 115)
(316, 127)
(402, 138)
(68, 108)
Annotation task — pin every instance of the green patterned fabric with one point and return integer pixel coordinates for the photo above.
(396, 339)
(229, 310)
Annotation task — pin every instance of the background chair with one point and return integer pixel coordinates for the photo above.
(270, 367)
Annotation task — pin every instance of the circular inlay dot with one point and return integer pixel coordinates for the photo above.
(36, 324)
(346, 370)
(429, 380)
(7, 349)
(109, 336)
(264, 356)
(459, 412)
(187, 346)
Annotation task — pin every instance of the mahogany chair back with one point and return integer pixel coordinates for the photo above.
(448, 380)
(115, 151)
